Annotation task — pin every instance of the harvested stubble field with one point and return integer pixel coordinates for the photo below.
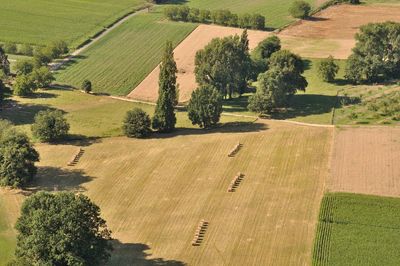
(357, 230)
(125, 56)
(154, 192)
(42, 21)
(366, 160)
(331, 31)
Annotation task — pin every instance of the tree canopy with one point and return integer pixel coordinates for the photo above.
(164, 119)
(300, 9)
(327, 69)
(137, 124)
(205, 106)
(224, 64)
(61, 229)
(17, 157)
(50, 125)
(376, 56)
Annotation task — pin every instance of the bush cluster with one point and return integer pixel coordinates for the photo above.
(31, 77)
(221, 17)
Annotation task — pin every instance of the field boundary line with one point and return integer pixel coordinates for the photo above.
(90, 41)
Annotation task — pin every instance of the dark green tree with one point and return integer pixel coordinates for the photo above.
(86, 86)
(17, 157)
(50, 125)
(137, 124)
(42, 77)
(262, 53)
(61, 229)
(328, 69)
(205, 106)
(376, 56)
(300, 9)
(224, 64)
(4, 63)
(164, 119)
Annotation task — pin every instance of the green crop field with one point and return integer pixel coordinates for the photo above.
(153, 192)
(41, 21)
(357, 230)
(275, 11)
(117, 63)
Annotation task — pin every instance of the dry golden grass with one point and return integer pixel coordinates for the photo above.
(154, 192)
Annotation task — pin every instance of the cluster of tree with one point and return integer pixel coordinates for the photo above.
(44, 55)
(282, 79)
(221, 17)
(225, 64)
(376, 56)
(204, 108)
(61, 229)
(50, 126)
(22, 49)
(17, 157)
(31, 76)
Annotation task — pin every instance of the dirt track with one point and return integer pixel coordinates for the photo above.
(366, 160)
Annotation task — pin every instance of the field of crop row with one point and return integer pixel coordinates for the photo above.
(357, 230)
(122, 59)
(41, 21)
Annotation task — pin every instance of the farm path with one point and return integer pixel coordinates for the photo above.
(56, 65)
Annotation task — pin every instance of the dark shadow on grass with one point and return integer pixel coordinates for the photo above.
(57, 179)
(173, 2)
(316, 19)
(235, 105)
(71, 61)
(41, 95)
(77, 140)
(137, 254)
(230, 127)
(21, 113)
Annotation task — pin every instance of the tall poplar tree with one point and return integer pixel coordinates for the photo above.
(164, 119)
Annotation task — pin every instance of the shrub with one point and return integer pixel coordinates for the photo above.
(49, 126)
(205, 106)
(25, 49)
(300, 9)
(42, 56)
(58, 48)
(10, 48)
(327, 69)
(42, 77)
(260, 103)
(204, 15)
(86, 86)
(137, 124)
(24, 67)
(257, 22)
(24, 85)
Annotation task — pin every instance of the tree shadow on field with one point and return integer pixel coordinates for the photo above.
(70, 62)
(173, 2)
(316, 19)
(229, 127)
(22, 113)
(137, 254)
(57, 179)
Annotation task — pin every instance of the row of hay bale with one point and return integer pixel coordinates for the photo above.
(200, 232)
(235, 150)
(235, 182)
(76, 157)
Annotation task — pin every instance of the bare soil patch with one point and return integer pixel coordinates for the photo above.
(366, 160)
(184, 54)
(337, 25)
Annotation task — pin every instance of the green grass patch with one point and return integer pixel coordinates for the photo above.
(357, 230)
(117, 63)
(41, 21)
(7, 237)
(275, 11)
(88, 115)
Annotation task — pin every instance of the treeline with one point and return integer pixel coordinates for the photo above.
(221, 17)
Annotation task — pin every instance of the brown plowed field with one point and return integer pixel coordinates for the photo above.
(366, 160)
(337, 26)
(185, 53)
